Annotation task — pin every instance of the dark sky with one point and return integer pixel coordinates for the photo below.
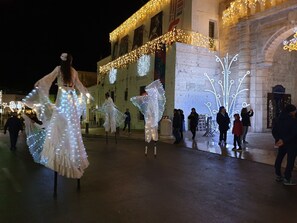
(35, 33)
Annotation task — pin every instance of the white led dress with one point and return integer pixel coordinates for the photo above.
(113, 116)
(152, 106)
(57, 143)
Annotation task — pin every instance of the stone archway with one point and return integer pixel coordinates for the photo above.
(275, 40)
(275, 68)
(258, 39)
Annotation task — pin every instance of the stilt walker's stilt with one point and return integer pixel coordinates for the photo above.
(106, 137)
(145, 151)
(78, 185)
(55, 183)
(155, 149)
(115, 137)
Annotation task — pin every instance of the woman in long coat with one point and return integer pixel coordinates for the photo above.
(223, 121)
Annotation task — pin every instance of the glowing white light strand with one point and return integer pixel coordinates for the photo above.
(229, 98)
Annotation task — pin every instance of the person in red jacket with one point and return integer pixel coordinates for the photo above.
(237, 131)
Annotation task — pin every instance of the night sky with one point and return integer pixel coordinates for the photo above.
(35, 33)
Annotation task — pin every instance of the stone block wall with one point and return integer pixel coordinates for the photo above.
(258, 41)
(190, 82)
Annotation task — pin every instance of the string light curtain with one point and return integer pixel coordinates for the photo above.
(242, 8)
(176, 35)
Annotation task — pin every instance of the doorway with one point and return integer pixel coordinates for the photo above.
(276, 102)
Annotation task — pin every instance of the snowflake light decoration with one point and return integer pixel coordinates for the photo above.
(143, 65)
(112, 75)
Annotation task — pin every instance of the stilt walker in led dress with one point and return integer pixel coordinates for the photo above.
(113, 116)
(152, 106)
(58, 143)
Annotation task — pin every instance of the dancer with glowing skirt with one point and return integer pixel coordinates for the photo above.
(152, 106)
(57, 143)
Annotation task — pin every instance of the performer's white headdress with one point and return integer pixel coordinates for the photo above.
(64, 56)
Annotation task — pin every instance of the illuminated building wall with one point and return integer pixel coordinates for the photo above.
(256, 35)
(183, 15)
(258, 39)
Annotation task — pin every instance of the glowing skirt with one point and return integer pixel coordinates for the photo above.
(61, 148)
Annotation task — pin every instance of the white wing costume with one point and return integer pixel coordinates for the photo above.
(35, 137)
(113, 117)
(152, 107)
(57, 144)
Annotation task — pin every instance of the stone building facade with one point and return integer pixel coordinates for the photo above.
(192, 70)
(258, 38)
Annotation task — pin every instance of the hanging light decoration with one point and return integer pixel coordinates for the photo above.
(112, 75)
(241, 8)
(175, 35)
(292, 43)
(144, 13)
(143, 65)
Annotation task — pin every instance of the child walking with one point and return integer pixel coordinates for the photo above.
(237, 131)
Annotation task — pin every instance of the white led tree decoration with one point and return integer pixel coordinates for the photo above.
(143, 65)
(225, 95)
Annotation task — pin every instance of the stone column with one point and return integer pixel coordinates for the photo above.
(258, 97)
(244, 60)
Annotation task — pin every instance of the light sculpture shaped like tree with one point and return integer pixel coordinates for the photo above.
(226, 92)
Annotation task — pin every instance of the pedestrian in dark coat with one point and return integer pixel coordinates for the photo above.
(193, 117)
(13, 125)
(285, 134)
(182, 126)
(127, 121)
(176, 123)
(223, 121)
(246, 122)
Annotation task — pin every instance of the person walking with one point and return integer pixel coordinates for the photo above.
(176, 125)
(59, 140)
(284, 132)
(193, 120)
(246, 122)
(237, 132)
(182, 126)
(127, 120)
(14, 125)
(223, 121)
